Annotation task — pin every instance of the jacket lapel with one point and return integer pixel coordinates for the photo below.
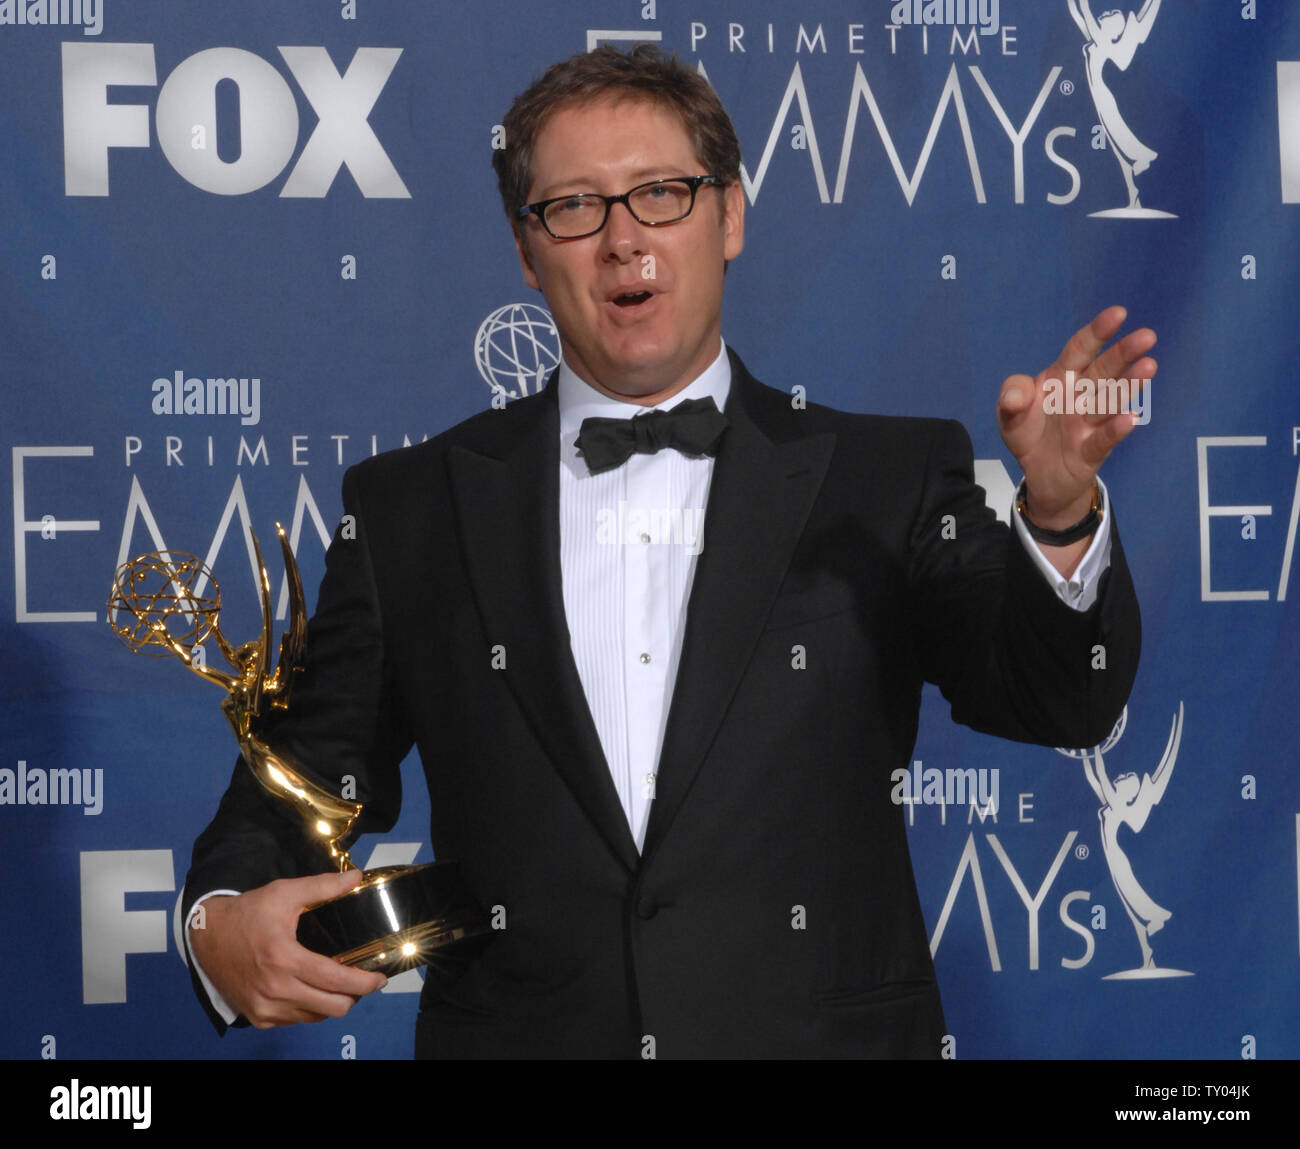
(507, 497)
(759, 499)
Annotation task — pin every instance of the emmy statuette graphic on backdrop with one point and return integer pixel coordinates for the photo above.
(399, 917)
(1127, 801)
(1115, 39)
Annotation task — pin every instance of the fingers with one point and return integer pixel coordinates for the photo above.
(308, 988)
(336, 979)
(1085, 343)
(252, 955)
(287, 983)
(1084, 356)
(1125, 358)
(286, 899)
(1098, 445)
(1126, 363)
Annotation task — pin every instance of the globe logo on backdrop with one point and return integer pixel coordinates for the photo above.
(516, 348)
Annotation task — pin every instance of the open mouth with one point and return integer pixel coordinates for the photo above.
(630, 298)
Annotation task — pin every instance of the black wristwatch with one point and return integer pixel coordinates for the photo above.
(1082, 529)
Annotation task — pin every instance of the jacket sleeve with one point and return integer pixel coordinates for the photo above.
(341, 725)
(1010, 657)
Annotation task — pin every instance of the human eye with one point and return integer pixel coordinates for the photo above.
(570, 205)
(574, 214)
(663, 199)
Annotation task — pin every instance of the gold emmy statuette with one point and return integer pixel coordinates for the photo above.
(168, 603)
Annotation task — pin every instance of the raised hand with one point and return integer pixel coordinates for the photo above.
(1060, 453)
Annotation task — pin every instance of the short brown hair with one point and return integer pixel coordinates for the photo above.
(643, 72)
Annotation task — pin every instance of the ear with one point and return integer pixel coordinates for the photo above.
(733, 220)
(525, 264)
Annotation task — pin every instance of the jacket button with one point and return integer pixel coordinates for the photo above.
(646, 910)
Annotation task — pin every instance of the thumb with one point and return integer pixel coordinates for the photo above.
(1017, 393)
(323, 887)
(1014, 402)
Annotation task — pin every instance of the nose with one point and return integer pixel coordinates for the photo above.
(622, 238)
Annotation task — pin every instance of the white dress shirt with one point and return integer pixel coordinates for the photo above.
(629, 541)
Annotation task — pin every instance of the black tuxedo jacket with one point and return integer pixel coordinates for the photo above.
(773, 910)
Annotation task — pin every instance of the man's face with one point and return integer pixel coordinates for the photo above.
(639, 309)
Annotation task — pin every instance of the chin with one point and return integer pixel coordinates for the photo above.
(646, 371)
(635, 384)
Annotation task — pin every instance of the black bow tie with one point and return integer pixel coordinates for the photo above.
(693, 427)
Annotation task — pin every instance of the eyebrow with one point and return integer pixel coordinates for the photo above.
(641, 176)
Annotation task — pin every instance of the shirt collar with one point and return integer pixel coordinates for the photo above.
(579, 400)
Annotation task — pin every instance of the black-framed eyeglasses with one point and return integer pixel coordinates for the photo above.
(653, 204)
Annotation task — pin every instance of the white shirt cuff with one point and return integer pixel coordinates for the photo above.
(1079, 591)
(218, 1002)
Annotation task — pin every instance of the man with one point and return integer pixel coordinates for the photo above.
(670, 763)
